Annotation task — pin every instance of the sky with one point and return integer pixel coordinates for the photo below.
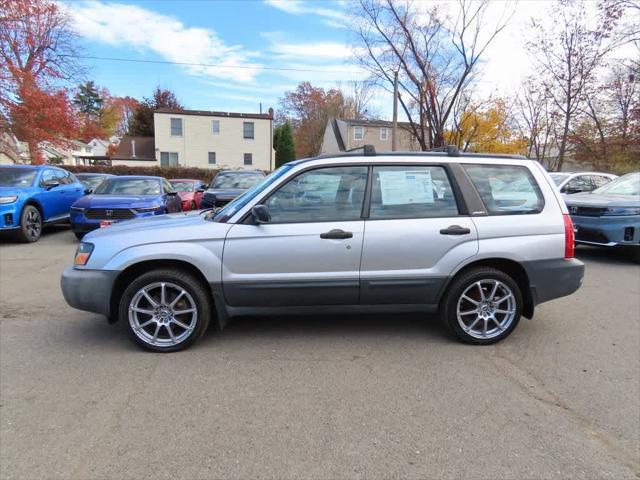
(255, 50)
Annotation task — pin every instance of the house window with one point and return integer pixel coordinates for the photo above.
(168, 159)
(215, 127)
(248, 130)
(384, 133)
(176, 127)
(212, 158)
(248, 159)
(358, 133)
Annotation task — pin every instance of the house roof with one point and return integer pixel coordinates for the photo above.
(373, 123)
(206, 113)
(145, 149)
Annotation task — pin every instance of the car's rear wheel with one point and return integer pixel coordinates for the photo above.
(30, 224)
(165, 310)
(483, 306)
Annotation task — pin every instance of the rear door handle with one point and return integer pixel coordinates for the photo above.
(455, 230)
(336, 234)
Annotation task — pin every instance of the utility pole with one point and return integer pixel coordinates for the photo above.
(394, 129)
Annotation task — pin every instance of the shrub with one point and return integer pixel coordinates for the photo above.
(204, 174)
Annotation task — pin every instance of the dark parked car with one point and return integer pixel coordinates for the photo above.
(92, 180)
(190, 192)
(123, 198)
(610, 215)
(227, 185)
(32, 196)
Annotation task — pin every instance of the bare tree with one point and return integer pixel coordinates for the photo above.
(436, 57)
(357, 98)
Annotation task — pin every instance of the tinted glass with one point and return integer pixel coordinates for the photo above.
(129, 186)
(182, 186)
(411, 191)
(581, 183)
(240, 181)
(628, 184)
(558, 178)
(599, 180)
(322, 195)
(14, 177)
(506, 189)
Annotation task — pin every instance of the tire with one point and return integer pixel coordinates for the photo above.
(500, 314)
(162, 329)
(30, 225)
(79, 235)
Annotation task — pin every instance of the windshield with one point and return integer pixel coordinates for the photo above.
(92, 181)
(241, 181)
(628, 184)
(17, 177)
(558, 178)
(129, 186)
(239, 202)
(182, 186)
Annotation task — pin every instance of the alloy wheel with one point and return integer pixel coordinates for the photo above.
(33, 223)
(486, 308)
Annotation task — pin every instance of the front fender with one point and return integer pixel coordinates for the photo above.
(205, 256)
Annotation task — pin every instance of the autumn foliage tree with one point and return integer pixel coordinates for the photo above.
(141, 122)
(37, 50)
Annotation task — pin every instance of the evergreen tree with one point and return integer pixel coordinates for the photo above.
(141, 122)
(283, 143)
(88, 99)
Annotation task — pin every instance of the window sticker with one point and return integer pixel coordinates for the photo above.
(403, 187)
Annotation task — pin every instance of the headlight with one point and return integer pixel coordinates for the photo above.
(83, 253)
(622, 211)
(77, 209)
(4, 200)
(148, 209)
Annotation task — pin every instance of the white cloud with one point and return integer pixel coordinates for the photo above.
(131, 26)
(333, 16)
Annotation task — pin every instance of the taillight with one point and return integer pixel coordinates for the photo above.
(569, 240)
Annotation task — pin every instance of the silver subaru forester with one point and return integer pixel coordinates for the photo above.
(481, 238)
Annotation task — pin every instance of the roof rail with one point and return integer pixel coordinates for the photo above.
(368, 150)
(451, 150)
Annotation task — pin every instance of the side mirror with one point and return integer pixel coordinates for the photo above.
(51, 184)
(172, 192)
(261, 214)
(88, 191)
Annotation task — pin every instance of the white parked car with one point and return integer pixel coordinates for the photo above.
(579, 182)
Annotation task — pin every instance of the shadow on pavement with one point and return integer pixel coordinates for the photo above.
(620, 255)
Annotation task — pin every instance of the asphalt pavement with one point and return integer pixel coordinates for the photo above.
(318, 397)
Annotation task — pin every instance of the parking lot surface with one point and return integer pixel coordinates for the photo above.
(321, 397)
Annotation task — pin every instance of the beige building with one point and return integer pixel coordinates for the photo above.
(342, 135)
(194, 138)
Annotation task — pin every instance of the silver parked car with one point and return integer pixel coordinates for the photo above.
(481, 238)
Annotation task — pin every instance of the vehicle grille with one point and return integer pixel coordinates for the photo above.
(587, 211)
(211, 201)
(8, 219)
(109, 214)
(589, 235)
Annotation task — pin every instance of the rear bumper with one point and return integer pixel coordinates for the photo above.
(555, 278)
(88, 290)
(607, 231)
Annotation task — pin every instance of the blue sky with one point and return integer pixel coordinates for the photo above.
(243, 35)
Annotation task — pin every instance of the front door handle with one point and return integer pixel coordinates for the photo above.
(455, 230)
(336, 234)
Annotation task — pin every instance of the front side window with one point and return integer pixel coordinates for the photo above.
(212, 158)
(176, 127)
(506, 189)
(215, 127)
(247, 130)
(358, 133)
(248, 158)
(384, 133)
(581, 183)
(411, 191)
(599, 180)
(321, 195)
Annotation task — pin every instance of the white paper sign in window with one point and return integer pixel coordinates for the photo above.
(408, 186)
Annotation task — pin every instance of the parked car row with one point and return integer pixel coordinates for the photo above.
(32, 197)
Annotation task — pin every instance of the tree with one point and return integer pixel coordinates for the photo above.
(37, 55)
(141, 122)
(88, 99)
(568, 52)
(487, 127)
(283, 143)
(436, 59)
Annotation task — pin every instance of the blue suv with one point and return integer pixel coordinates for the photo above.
(32, 196)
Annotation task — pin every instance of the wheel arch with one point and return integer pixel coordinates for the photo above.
(34, 203)
(512, 268)
(126, 276)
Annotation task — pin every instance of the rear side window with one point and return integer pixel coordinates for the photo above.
(506, 189)
(411, 191)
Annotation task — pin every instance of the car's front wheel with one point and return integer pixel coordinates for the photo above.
(30, 224)
(483, 306)
(165, 310)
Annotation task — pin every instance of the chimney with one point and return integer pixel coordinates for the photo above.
(133, 149)
(260, 108)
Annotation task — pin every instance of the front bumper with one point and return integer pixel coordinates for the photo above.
(554, 278)
(88, 290)
(9, 216)
(607, 231)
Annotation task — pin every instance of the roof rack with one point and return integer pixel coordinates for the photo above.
(368, 150)
(451, 150)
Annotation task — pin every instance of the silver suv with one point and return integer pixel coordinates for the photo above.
(480, 238)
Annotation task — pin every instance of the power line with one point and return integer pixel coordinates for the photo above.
(243, 67)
